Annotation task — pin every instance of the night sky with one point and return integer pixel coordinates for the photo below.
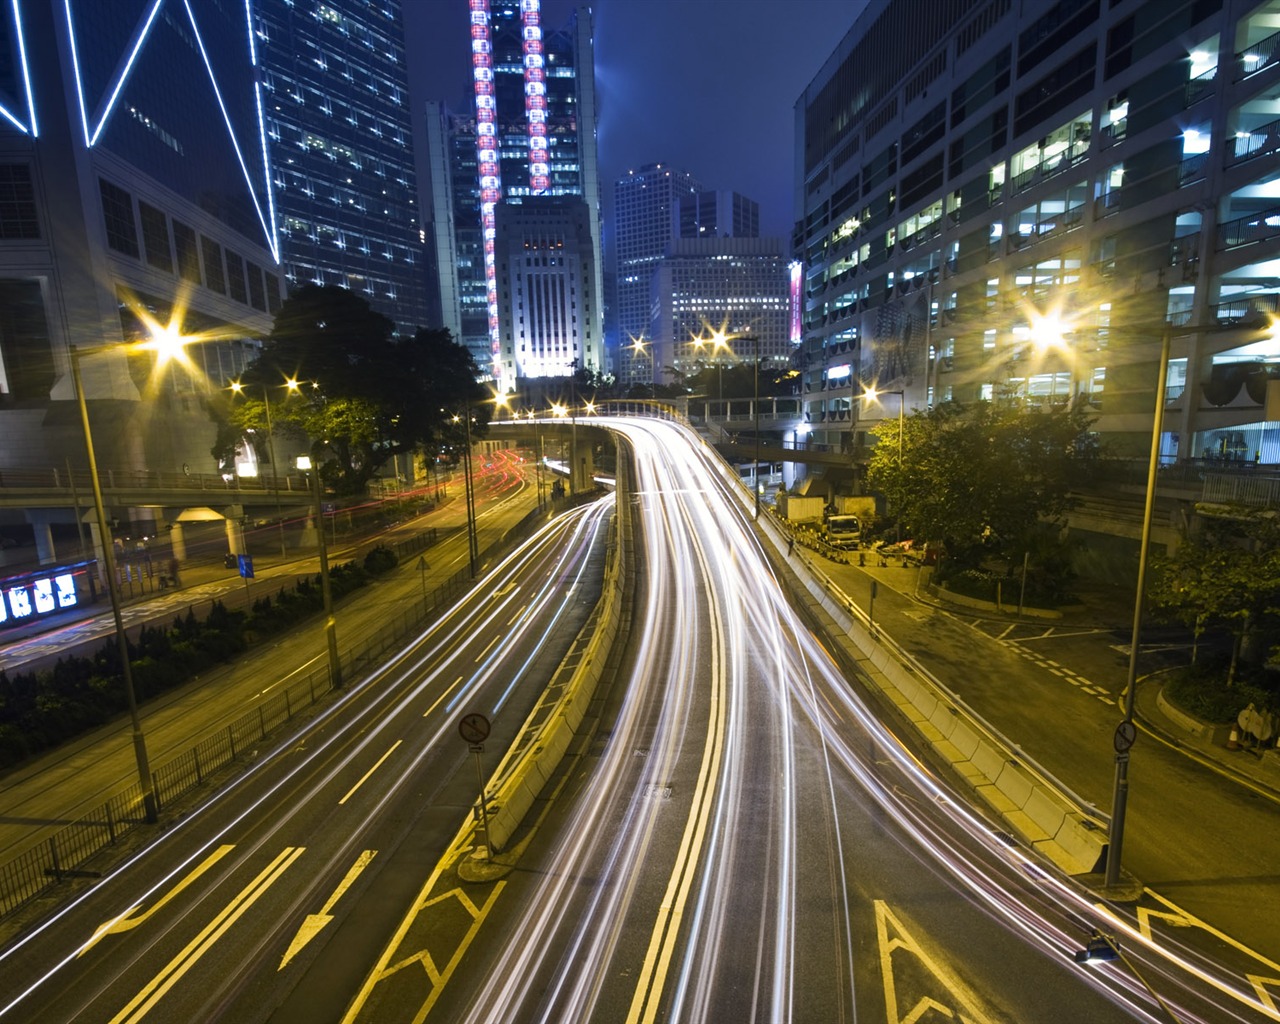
(706, 85)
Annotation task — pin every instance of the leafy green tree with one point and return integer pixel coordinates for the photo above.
(360, 396)
(981, 478)
(1227, 576)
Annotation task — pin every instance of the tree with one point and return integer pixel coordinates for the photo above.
(981, 478)
(1229, 575)
(360, 395)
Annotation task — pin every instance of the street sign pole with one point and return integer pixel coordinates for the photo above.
(474, 729)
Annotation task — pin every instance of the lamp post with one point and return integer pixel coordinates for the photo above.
(1120, 789)
(145, 781)
(326, 592)
(473, 547)
(871, 394)
(1050, 332)
(238, 388)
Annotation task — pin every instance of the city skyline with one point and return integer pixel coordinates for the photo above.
(658, 80)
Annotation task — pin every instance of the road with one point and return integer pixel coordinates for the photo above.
(739, 839)
(45, 795)
(253, 903)
(742, 840)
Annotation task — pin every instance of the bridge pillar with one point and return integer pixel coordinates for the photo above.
(235, 537)
(178, 541)
(45, 551)
(583, 470)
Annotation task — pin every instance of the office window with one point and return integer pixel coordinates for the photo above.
(155, 238)
(117, 211)
(235, 277)
(257, 295)
(214, 277)
(184, 244)
(17, 203)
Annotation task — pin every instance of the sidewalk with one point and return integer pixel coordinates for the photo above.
(1107, 608)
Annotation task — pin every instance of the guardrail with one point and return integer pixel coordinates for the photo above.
(1050, 816)
(64, 854)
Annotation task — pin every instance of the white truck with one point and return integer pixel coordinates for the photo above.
(843, 530)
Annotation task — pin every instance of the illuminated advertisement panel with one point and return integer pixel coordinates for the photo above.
(44, 592)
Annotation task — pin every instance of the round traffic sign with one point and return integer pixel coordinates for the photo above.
(473, 727)
(1126, 733)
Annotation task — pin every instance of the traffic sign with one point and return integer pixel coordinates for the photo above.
(473, 727)
(1126, 733)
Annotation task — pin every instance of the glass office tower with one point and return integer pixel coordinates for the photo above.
(336, 104)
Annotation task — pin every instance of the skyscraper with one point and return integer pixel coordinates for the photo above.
(532, 132)
(336, 103)
(645, 205)
(738, 286)
(548, 303)
(716, 213)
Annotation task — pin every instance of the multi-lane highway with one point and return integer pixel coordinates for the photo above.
(736, 838)
(743, 841)
(265, 897)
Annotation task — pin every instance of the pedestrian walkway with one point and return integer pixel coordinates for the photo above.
(1100, 607)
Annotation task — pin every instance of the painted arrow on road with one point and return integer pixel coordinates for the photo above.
(313, 923)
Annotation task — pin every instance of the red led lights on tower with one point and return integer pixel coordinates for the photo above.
(487, 159)
(535, 96)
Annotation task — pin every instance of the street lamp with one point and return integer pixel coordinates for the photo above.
(637, 347)
(326, 592)
(238, 388)
(1049, 332)
(871, 394)
(145, 780)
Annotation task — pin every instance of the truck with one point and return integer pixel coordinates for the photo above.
(843, 530)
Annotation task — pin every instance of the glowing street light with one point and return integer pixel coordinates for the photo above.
(872, 394)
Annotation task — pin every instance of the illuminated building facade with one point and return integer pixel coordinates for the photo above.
(549, 305)
(971, 166)
(336, 103)
(736, 286)
(135, 193)
(532, 132)
(646, 203)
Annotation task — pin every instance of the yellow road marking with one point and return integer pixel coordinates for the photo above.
(662, 941)
(365, 778)
(174, 970)
(902, 940)
(442, 696)
(312, 923)
(438, 978)
(486, 648)
(125, 923)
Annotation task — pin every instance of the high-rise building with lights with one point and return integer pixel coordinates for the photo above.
(336, 104)
(646, 203)
(717, 213)
(532, 132)
(548, 305)
(971, 168)
(738, 287)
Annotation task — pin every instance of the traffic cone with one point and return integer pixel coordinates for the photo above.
(1233, 741)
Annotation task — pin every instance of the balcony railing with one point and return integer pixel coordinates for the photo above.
(1257, 57)
(1257, 227)
(1201, 86)
(1256, 142)
(1192, 168)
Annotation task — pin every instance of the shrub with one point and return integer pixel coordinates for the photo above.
(380, 560)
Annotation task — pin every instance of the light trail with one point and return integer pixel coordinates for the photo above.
(782, 689)
(423, 666)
